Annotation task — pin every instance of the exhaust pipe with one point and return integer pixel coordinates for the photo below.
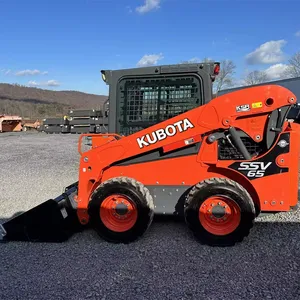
(52, 221)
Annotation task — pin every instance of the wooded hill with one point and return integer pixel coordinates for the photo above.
(36, 103)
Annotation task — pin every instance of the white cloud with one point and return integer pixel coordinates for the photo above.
(24, 72)
(297, 33)
(276, 71)
(149, 60)
(53, 83)
(6, 71)
(148, 6)
(30, 72)
(194, 60)
(267, 53)
(47, 83)
(33, 83)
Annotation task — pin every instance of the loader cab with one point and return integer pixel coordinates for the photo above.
(142, 97)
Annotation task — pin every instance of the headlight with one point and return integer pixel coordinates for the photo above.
(103, 76)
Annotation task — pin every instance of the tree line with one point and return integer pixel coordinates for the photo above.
(36, 103)
(33, 111)
(226, 78)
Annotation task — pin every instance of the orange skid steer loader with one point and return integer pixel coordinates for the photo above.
(218, 166)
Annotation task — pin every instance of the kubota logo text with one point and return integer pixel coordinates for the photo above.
(161, 134)
(255, 168)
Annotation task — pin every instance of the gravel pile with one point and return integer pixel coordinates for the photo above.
(167, 263)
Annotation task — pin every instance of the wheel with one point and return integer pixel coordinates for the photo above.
(121, 210)
(219, 211)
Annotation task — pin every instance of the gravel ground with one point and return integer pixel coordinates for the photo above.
(167, 263)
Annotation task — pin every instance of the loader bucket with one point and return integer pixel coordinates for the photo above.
(52, 221)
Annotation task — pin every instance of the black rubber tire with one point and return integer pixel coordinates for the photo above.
(213, 187)
(138, 193)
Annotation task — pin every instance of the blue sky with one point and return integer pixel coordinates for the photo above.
(62, 45)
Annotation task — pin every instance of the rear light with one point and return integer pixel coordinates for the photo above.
(217, 69)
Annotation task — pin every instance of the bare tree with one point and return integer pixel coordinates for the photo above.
(225, 77)
(255, 77)
(293, 69)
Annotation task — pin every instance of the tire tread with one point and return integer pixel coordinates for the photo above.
(222, 182)
(141, 188)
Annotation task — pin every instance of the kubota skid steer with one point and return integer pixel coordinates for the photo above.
(218, 165)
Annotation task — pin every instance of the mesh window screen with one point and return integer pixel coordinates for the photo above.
(228, 152)
(145, 102)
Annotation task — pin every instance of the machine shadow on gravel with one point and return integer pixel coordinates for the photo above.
(262, 233)
(173, 228)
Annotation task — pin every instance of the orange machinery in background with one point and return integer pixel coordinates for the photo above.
(30, 125)
(10, 123)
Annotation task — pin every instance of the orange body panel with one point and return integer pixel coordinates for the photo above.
(97, 140)
(97, 164)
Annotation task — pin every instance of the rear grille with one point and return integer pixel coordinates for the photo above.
(228, 152)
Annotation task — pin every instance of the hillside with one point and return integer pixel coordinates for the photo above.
(39, 103)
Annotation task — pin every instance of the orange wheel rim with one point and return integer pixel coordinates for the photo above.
(219, 215)
(118, 213)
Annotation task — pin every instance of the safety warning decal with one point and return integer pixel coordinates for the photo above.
(257, 105)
